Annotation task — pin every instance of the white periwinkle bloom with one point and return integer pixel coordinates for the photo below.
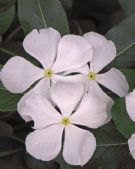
(45, 142)
(104, 51)
(56, 55)
(130, 104)
(131, 145)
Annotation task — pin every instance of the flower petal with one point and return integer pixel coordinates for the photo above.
(40, 110)
(42, 45)
(94, 88)
(83, 70)
(104, 51)
(79, 145)
(131, 144)
(130, 104)
(115, 81)
(18, 74)
(91, 112)
(41, 143)
(73, 53)
(77, 79)
(66, 96)
(42, 88)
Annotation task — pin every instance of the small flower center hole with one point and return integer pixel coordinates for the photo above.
(48, 73)
(91, 76)
(65, 121)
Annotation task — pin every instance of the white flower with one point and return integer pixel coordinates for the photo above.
(130, 104)
(104, 51)
(45, 142)
(131, 144)
(56, 55)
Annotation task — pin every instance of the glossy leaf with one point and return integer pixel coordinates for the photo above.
(128, 6)
(111, 150)
(123, 35)
(37, 14)
(6, 18)
(121, 118)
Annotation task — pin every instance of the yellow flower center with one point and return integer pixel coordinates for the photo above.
(65, 121)
(91, 76)
(48, 73)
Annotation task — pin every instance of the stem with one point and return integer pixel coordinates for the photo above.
(8, 52)
(132, 44)
(18, 139)
(110, 145)
(10, 152)
(42, 15)
(13, 34)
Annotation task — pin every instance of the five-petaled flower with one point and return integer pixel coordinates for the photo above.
(56, 55)
(104, 51)
(58, 106)
(76, 108)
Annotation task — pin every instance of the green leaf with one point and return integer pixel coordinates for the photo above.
(6, 18)
(111, 149)
(37, 14)
(8, 101)
(130, 76)
(122, 121)
(128, 6)
(123, 35)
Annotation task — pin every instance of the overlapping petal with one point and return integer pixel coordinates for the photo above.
(67, 55)
(42, 45)
(115, 81)
(41, 88)
(73, 53)
(40, 110)
(66, 96)
(91, 112)
(18, 74)
(83, 70)
(77, 79)
(104, 51)
(95, 88)
(131, 144)
(79, 145)
(45, 144)
(130, 104)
